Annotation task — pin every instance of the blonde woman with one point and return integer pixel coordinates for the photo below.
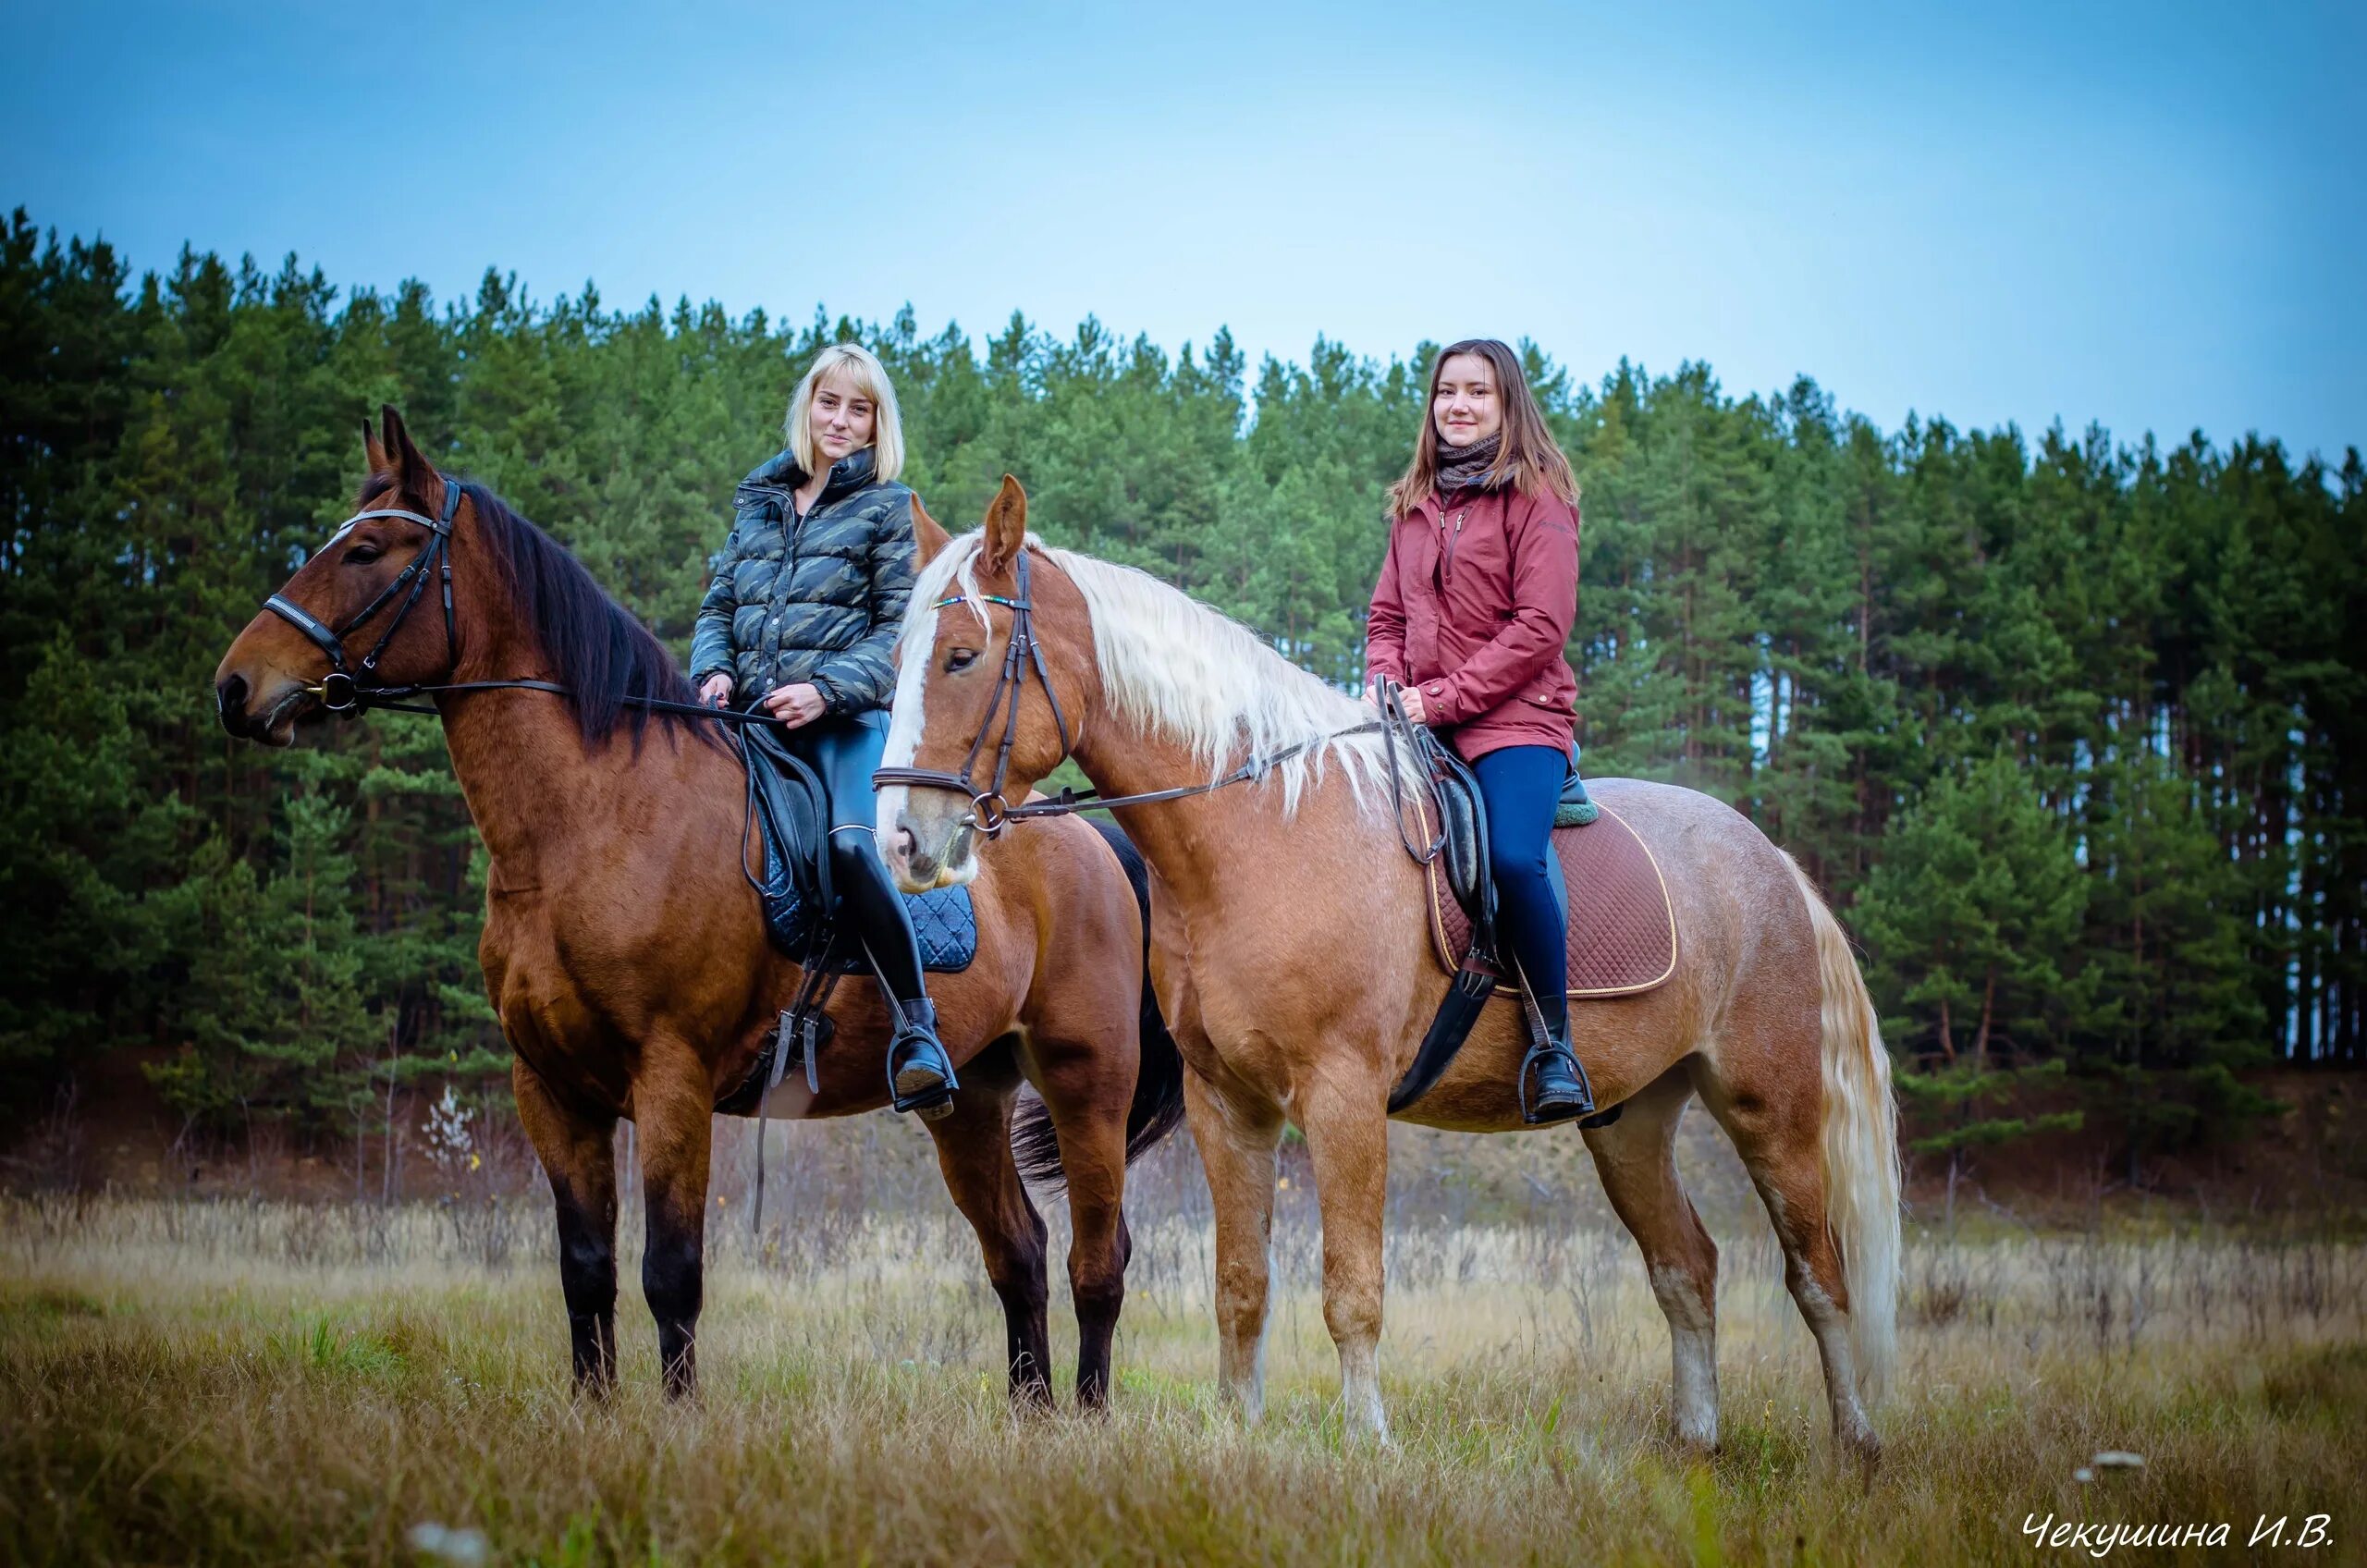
(800, 622)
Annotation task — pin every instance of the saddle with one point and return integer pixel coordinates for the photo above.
(1621, 931)
(1465, 850)
(791, 809)
(1620, 935)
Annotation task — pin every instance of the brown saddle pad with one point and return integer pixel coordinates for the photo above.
(1622, 937)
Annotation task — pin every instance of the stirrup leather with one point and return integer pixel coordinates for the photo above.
(1541, 1044)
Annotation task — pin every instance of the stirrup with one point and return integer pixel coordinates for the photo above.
(930, 1090)
(1535, 1115)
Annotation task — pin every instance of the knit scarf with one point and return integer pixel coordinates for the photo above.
(1462, 468)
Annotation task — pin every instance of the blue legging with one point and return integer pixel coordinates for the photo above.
(1520, 785)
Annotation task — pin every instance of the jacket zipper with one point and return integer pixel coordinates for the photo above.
(1447, 574)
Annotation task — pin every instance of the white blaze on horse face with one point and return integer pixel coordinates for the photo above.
(905, 716)
(930, 820)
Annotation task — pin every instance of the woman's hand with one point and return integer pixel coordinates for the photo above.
(716, 690)
(793, 705)
(1408, 697)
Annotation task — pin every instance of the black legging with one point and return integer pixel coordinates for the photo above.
(844, 749)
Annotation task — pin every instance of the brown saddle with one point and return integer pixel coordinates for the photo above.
(1621, 936)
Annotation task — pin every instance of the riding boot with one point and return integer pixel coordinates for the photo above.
(920, 1072)
(1563, 1091)
(920, 1075)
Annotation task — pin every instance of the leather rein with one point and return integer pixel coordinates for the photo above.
(348, 690)
(990, 813)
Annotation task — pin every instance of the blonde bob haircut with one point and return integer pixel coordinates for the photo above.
(870, 380)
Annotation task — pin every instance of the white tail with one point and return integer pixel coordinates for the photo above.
(1859, 1146)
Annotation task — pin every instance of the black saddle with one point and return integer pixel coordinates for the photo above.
(789, 807)
(791, 811)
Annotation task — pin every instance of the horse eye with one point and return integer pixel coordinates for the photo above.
(363, 555)
(960, 658)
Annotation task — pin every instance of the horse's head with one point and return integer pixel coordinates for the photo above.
(970, 705)
(345, 617)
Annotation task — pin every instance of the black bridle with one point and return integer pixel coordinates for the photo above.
(344, 690)
(348, 691)
(990, 813)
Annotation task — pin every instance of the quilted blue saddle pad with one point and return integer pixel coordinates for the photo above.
(944, 920)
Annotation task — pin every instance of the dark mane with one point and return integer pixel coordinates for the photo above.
(595, 648)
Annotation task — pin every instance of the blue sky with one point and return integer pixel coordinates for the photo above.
(2150, 216)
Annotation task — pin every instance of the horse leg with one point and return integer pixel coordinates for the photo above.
(1347, 1141)
(673, 1108)
(1774, 1127)
(973, 1152)
(579, 1156)
(1237, 1136)
(1087, 1089)
(1637, 1156)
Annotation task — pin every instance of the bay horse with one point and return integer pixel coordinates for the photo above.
(625, 953)
(1289, 957)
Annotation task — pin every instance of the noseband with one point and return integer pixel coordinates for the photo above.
(344, 690)
(990, 813)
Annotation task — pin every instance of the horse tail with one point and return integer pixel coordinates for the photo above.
(1157, 1107)
(1859, 1142)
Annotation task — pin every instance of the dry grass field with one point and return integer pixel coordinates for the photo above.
(231, 1381)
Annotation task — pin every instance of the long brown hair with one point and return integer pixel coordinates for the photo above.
(1529, 461)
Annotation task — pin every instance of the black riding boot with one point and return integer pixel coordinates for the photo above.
(920, 1074)
(1562, 1091)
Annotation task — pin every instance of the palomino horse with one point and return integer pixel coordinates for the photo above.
(625, 953)
(1289, 955)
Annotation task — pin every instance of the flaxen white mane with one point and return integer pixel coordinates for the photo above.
(1173, 666)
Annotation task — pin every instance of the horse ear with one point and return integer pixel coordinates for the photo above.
(928, 537)
(418, 475)
(1006, 524)
(372, 449)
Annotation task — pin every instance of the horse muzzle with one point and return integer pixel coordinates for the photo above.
(926, 848)
(269, 716)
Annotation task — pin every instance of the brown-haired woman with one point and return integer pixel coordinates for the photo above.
(1470, 616)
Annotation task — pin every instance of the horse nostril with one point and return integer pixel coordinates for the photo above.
(231, 703)
(908, 843)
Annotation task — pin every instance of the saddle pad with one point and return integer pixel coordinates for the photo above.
(1622, 937)
(943, 918)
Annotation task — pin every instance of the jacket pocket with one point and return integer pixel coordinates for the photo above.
(1553, 689)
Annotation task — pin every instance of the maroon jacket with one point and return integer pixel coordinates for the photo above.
(1474, 607)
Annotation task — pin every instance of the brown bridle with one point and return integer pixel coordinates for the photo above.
(990, 813)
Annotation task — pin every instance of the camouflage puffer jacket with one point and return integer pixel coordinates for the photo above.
(817, 600)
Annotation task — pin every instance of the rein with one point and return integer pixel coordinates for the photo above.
(348, 691)
(990, 813)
